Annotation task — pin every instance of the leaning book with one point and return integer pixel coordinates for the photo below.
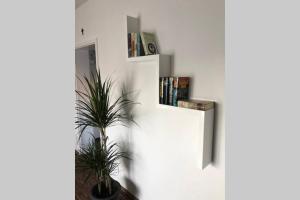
(196, 104)
(149, 43)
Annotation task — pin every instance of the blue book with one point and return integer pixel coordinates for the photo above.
(175, 87)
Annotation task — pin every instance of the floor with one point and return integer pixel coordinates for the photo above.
(82, 188)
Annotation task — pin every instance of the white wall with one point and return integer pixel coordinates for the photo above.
(193, 32)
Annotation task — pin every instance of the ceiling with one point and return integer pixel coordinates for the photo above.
(79, 3)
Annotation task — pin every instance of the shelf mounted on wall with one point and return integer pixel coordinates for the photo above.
(162, 65)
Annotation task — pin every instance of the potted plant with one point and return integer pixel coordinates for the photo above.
(101, 161)
(96, 109)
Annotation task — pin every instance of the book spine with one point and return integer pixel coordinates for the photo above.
(144, 44)
(175, 87)
(166, 93)
(161, 86)
(129, 44)
(132, 45)
(170, 91)
(138, 44)
(135, 44)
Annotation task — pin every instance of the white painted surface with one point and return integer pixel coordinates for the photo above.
(164, 145)
(161, 65)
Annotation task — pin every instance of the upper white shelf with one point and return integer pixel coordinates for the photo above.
(175, 108)
(143, 58)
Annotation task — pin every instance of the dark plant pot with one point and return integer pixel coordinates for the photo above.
(116, 190)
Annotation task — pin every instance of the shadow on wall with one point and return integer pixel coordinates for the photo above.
(215, 136)
(126, 145)
(131, 186)
(132, 96)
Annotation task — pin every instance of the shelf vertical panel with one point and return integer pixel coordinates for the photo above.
(164, 65)
(132, 25)
(163, 70)
(207, 138)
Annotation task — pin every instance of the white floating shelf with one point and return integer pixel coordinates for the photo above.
(143, 58)
(175, 108)
(162, 66)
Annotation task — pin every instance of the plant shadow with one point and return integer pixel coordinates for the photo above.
(126, 144)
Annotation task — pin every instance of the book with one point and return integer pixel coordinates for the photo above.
(149, 43)
(165, 91)
(129, 44)
(132, 45)
(174, 96)
(170, 98)
(196, 104)
(138, 44)
(180, 89)
(135, 44)
(161, 86)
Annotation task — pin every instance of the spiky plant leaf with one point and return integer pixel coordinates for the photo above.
(95, 107)
(100, 158)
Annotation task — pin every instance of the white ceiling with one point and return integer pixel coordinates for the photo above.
(79, 3)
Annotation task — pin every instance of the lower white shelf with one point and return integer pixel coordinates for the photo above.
(205, 130)
(169, 107)
(143, 58)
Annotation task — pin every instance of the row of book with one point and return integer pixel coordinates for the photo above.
(174, 91)
(141, 44)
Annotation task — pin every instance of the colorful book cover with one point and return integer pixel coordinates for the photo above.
(196, 104)
(165, 91)
(129, 44)
(170, 99)
(180, 89)
(183, 88)
(161, 86)
(149, 43)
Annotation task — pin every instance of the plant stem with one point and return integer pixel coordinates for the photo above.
(103, 137)
(99, 183)
(109, 185)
